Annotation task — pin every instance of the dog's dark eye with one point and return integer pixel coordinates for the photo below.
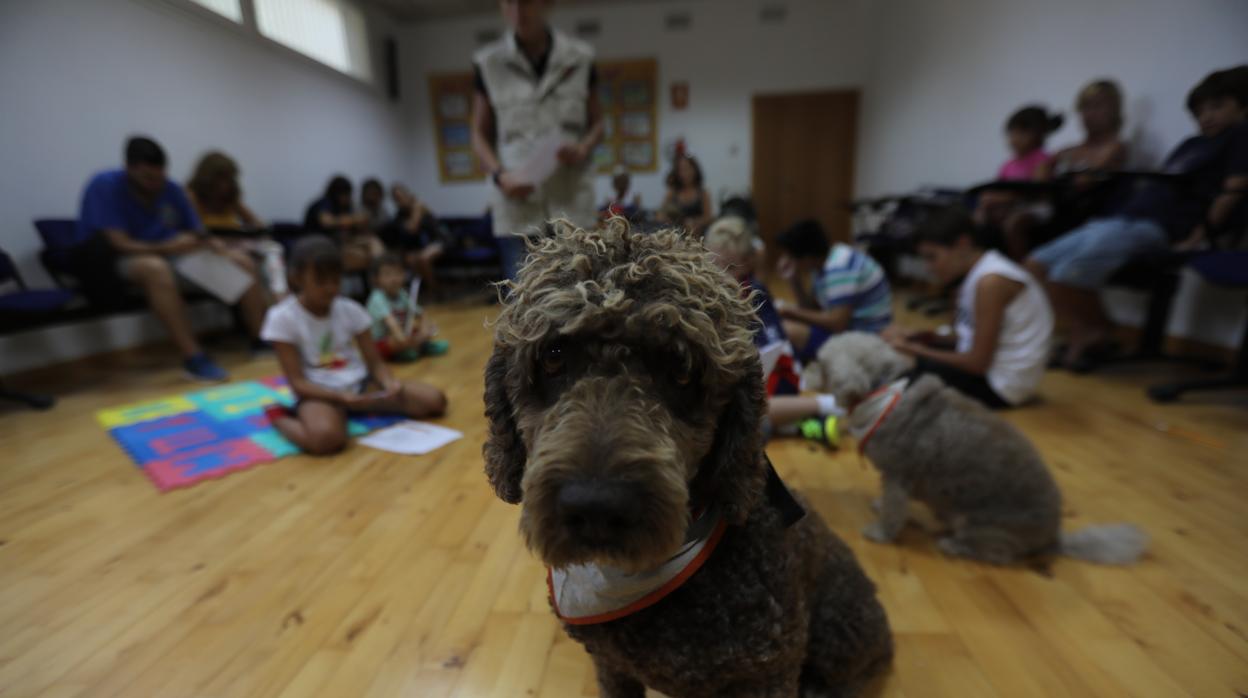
(553, 359)
(681, 375)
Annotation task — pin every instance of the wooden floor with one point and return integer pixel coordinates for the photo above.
(370, 574)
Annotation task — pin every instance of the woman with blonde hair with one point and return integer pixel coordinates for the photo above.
(1099, 104)
(1100, 111)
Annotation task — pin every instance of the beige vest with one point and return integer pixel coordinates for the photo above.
(525, 110)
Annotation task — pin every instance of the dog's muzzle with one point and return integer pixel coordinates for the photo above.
(605, 478)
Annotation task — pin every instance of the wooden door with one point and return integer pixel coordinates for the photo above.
(804, 161)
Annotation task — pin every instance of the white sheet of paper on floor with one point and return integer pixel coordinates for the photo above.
(215, 274)
(411, 438)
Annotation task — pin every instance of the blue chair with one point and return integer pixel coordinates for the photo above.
(31, 305)
(286, 232)
(22, 309)
(59, 236)
(471, 250)
(1222, 268)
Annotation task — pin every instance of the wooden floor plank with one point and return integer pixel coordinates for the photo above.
(378, 575)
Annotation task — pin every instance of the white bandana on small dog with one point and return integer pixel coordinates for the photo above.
(593, 593)
(867, 415)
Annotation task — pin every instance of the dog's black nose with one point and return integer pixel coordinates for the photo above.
(596, 511)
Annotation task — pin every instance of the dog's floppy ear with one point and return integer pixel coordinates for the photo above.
(505, 454)
(733, 475)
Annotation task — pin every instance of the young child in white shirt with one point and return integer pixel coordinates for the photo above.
(325, 347)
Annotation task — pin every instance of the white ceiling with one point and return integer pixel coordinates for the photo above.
(430, 9)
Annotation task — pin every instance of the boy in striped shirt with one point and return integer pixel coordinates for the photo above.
(837, 288)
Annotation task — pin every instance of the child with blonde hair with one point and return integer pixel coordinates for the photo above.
(735, 246)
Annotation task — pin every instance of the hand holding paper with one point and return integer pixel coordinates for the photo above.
(542, 162)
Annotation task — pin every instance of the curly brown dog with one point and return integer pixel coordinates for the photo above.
(624, 398)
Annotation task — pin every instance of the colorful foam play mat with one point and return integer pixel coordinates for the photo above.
(181, 440)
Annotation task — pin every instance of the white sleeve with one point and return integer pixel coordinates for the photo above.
(279, 326)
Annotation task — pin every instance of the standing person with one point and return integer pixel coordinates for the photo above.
(837, 288)
(687, 204)
(532, 85)
(1000, 346)
(147, 222)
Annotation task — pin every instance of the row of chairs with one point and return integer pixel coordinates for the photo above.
(471, 254)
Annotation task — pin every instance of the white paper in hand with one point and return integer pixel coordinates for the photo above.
(411, 438)
(543, 160)
(215, 274)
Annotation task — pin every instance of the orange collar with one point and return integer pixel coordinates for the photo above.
(590, 594)
(880, 403)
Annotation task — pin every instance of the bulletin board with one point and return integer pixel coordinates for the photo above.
(627, 90)
(450, 94)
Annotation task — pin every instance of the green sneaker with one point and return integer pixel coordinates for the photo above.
(435, 347)
(823, 430)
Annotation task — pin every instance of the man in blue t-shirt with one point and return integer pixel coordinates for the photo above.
(838, 288)
(149, 223)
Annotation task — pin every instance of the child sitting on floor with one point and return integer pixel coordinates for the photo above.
(325, 347)
(1000, 346)
(734, 246)
(837, 287)
(399, 326)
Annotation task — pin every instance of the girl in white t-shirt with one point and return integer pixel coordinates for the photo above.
(325, 346)
(1003, 325)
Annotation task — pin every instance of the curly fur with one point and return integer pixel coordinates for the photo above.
(627, 357)
(979, 475)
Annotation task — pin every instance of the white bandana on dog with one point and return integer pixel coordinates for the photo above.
(593, 593)
(867, 415)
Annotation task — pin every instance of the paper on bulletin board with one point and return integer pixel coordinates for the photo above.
(543, 160)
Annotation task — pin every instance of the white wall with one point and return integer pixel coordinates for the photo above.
(78, 77)
(945, 74)
(727, 56)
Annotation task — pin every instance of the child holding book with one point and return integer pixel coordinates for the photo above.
(400, 328)
(325, 347)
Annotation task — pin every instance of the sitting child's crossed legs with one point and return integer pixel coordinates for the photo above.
(320, 428)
